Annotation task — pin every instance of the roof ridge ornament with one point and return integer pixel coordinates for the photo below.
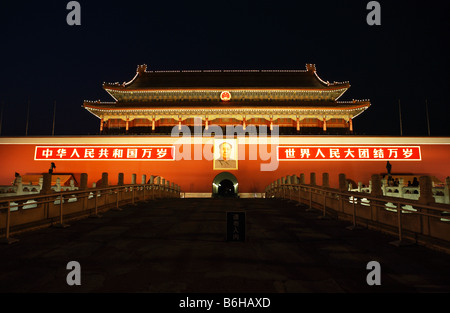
(311, 67)
(142, 68)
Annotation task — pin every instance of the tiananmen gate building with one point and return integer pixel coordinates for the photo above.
(203, 128)
(295, 101)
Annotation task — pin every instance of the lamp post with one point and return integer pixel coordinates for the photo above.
(400, 116)
(54, 116)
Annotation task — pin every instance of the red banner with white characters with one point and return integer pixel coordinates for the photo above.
(348, 153)
(110, 153)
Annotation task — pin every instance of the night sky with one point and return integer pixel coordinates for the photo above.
(44, 60)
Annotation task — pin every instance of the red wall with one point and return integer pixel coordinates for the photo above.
(17, 155)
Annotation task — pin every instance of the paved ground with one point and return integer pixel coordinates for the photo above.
(179, 246)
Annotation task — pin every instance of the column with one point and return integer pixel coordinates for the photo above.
(153, 123)
(244, 123)
(101, 125)
(298, 124)
(206, 123)
(126, 124)
(350, 122)
(179, 123)
(324, 124)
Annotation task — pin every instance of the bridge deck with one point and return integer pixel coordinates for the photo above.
(179, 246)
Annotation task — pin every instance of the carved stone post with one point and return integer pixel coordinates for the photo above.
(158, 186)
(312, 178)
(46, 189)
(104, 180)
(302, 179)
(400, 187)
(83, 186)
(447, 191)
(376, 186)
(19, 185)
(83, 181)
(46, 183)
(58, 184)
(342, 182)
(426, 190)
(325, 180)
(288, 180)
(120, 179)
(377, 192)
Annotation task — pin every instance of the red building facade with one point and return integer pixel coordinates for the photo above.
(190, 161)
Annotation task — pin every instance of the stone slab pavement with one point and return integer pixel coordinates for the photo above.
(179, 246)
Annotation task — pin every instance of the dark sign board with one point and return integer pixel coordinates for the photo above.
(235, 226)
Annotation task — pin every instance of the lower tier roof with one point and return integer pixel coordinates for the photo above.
(343, 109)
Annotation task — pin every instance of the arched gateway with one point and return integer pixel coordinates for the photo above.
(225, 184)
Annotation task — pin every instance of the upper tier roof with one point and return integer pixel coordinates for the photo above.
(206, 79)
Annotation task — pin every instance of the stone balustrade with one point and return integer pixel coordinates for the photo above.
(424, 220)
(53, 205)
(440, 194)
(19, 188)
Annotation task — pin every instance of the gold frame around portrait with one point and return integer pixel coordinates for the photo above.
(218, 163)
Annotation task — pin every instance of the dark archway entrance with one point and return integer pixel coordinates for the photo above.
(226, 189)
(225, 184)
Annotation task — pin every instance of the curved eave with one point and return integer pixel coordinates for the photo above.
(100, 110)
(134, 109)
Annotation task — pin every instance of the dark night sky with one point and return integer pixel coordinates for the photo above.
(43, 59)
